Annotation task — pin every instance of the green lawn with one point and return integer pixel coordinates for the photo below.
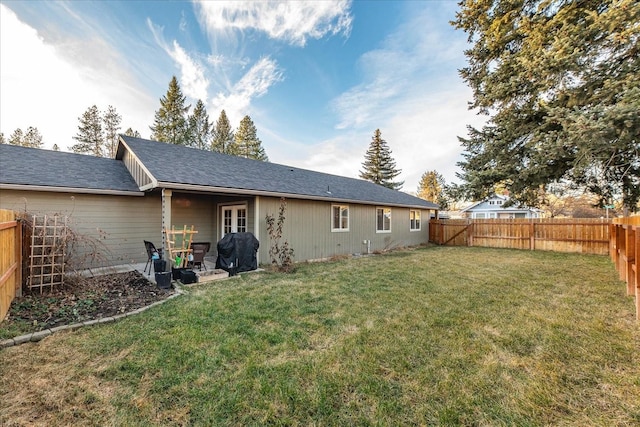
(433, 336)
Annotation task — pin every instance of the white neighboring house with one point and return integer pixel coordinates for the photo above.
(493, 207)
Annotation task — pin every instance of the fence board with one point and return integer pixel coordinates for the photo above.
(625, 253)
(10, 260)
(589, 236)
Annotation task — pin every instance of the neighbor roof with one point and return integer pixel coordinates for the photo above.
(35, 168)
(178, 167)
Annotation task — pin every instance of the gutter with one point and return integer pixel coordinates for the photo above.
(224, 190)
(70, 190)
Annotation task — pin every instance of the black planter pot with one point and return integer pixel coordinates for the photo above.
(163, 280)
(159, 265)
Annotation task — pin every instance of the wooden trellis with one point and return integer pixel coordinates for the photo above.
(48, 252)
(179, 244)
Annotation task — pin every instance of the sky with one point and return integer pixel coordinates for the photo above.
(317, 78)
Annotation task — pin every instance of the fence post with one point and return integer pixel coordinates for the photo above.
(532, 235)
(470, 232)
(629, 257)
(19, 257)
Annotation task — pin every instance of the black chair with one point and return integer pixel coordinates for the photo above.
(198, 250)
(151, 251)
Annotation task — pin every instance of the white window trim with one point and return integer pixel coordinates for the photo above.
(340, 230)
(419, 212)
(390, 219)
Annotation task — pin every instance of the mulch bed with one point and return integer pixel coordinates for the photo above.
(86, 299)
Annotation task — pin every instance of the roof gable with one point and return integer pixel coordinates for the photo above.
(33, 167)
(174, 166)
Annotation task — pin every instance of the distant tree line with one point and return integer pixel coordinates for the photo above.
(173, 124)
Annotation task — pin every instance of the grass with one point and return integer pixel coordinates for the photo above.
(434, 336)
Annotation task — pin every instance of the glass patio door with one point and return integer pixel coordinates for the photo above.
(234, 219)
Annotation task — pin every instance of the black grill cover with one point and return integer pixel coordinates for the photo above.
(237, 252)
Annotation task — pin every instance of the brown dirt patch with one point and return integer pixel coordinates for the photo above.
(82, 300)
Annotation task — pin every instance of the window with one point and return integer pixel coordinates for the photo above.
(234, 219)
(383, 220)
(478, 215)
(414, 220)
(339, 218)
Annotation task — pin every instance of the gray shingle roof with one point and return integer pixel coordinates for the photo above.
(32, 166)
(171, 164)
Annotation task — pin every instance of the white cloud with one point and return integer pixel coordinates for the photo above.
(193, 82)
(291, 21)
(50, 85)
(411, 91)
(255, 83)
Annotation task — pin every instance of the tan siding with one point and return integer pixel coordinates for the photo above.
(120, 222)
(308, 229)
(199, 211)
(133, 166)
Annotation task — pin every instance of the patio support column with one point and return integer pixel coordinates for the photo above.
(256, 222)
(166, 217)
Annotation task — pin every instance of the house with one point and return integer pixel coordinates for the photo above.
(152, 185)
(494, 207)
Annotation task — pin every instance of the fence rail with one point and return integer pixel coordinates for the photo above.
(589, 236)
(10, 260)
(624, 250)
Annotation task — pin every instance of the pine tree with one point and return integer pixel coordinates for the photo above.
(90, 134)
(379, 167)
(200, 128)
(222, 135)
(247, 143)
(559, 82)
(55, 147)
(111, 120)
(431, 187)
(133, 133)
(170, 123)
(16, 137)
(30, 138)
(2, 139)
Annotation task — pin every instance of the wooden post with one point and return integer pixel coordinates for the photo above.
(19, 258)
(532, 235)
(629, 257)
(470, 232)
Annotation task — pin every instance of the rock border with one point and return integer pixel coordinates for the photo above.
(38, 336)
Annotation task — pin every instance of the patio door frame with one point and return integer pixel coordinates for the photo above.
(234, 209)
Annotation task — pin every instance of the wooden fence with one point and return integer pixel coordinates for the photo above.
(624, 252)
(588, 236)
(10, 260)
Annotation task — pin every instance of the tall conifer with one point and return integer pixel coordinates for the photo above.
(170, 122)
(378, 166)
(247, 143)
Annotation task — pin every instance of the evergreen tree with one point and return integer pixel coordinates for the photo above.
(55, 147)
(378, 166)
(222, 135)
(30, 138)
(16, 137)
(170, 123)
(559, 81)
(111, 120)
(90, 134)
(133, 133)
(200, 128)
(247, 143)
(2, 139)
(431, 187)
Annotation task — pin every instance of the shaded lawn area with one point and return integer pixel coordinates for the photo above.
(432, 336)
